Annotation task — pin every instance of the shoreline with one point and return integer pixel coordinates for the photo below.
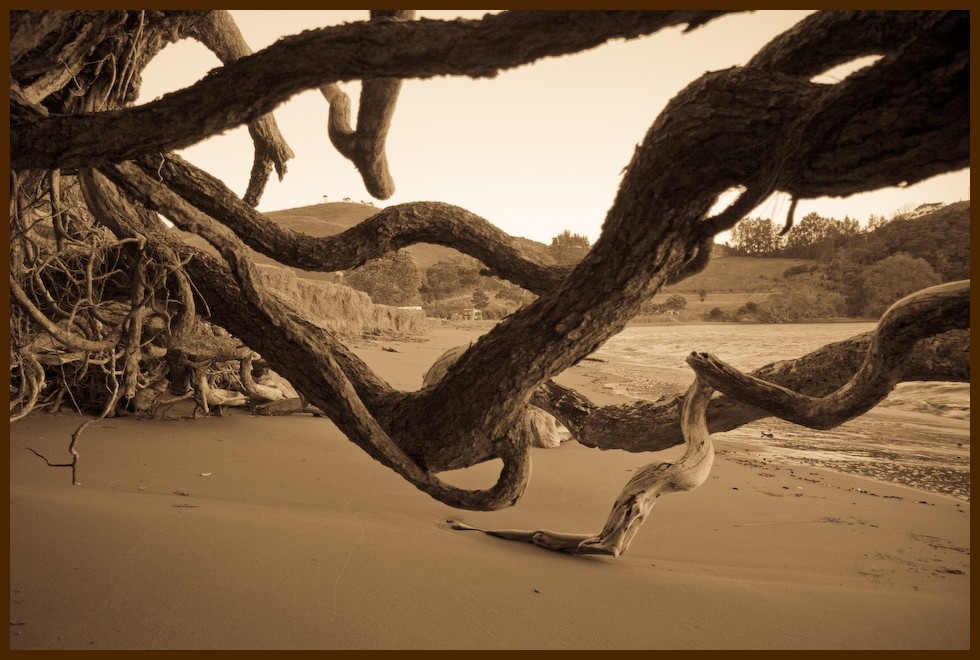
(646, 321)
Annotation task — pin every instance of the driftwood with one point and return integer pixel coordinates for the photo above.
(92, 169)
(641, 492)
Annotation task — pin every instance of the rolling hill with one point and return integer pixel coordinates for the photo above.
(940, 234)
(730, 274)
(728, 281)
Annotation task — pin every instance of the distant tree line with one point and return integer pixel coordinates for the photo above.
(851, 271)
(568, 247)
(857, 273)
(941, 236)
(812, 237)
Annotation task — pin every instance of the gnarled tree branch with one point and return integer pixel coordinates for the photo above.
(334, 393)
(763, 127)
(928, 312)
(652, 425)
(639, 495)
(661, 202)
(653, 232)
(244, 90)
(389, 229)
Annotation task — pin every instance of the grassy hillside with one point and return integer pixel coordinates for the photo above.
(725, 274)
(941, 237)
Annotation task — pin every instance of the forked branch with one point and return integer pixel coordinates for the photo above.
(218, 31)
(244, 90)
(394, 227)
(333, 393)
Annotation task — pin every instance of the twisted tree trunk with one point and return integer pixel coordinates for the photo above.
(762, 128)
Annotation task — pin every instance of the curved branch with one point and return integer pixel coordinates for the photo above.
(244, 90)
(915, 100)
(826, 39)
(927, 312)
(254, 391)
(652, 425)
(923, 314)
(213, 280)
(31, 384)
(186, 314)
(734, 127)
(390, 229)
(757, 127)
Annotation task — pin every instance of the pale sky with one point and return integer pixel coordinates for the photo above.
(535, 151)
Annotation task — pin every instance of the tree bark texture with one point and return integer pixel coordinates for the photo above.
(763, 127)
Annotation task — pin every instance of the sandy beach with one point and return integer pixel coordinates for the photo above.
(253, 532)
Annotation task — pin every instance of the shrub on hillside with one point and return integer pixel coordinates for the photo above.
(513, 293)
(802, 302)
(391, 279)
(795, 270)
(893, 278)
(494, 312)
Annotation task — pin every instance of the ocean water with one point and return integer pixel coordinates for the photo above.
(746, 346)
(923, 442)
